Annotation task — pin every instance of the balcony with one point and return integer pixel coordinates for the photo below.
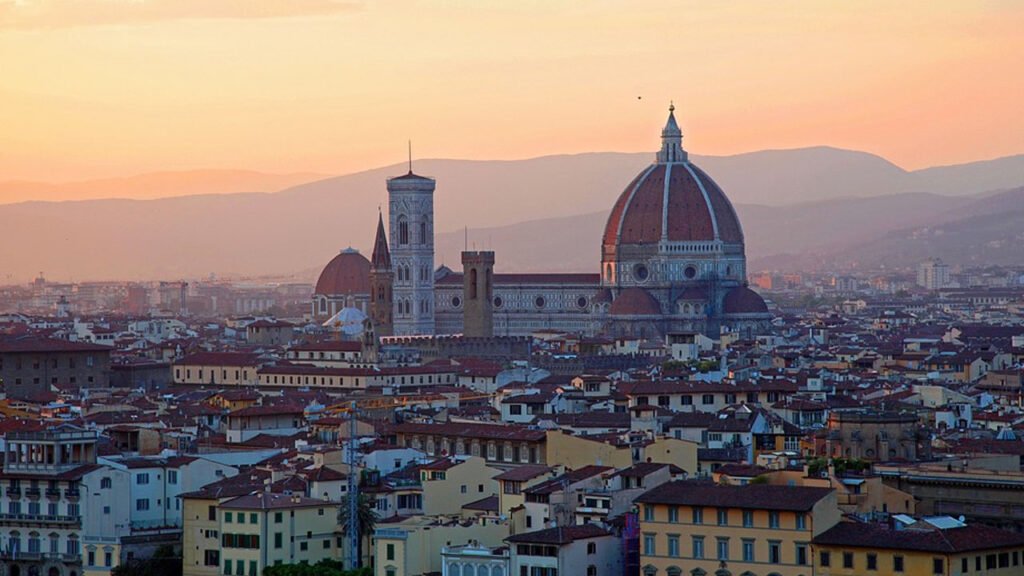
(14, 492)
(19, 519)
(53, 493)
(32, 492)
(72, 493)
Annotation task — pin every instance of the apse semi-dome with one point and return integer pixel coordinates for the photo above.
(348, 273)
(743, 300)
(635, 302)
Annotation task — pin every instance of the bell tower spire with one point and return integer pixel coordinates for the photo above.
(671, 140)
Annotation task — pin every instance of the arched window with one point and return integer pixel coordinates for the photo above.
(403, 230)
(472, 284)
(423, 232)
(674, 571)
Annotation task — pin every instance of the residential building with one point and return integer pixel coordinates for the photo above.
(928, 547)
(585, 550)
(702, 528)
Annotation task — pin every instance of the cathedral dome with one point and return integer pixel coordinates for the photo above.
(348, 273)
(672, 200)
(743, 300)
(635, 302)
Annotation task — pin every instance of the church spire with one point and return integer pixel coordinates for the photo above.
(381, 258)
(671, 140)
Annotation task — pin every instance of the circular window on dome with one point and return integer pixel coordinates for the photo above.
(690, 272)
(497, 302)
(640, 272)
(539, 302)
(581, 301)
(456, 301)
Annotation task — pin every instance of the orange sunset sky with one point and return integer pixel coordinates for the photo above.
(98, 88)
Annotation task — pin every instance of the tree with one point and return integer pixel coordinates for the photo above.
(366, 519)
(165, 561)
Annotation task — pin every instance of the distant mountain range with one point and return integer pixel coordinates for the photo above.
(798, 207)
(153, 185)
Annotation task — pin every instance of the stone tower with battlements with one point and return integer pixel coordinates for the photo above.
(478, 294)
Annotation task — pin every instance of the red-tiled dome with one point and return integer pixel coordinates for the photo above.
(347, 273)
(635, 302)
(673, 200)
(696, 209)
(743, 300)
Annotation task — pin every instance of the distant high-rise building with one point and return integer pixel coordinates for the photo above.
(411, 212)
(933, 274)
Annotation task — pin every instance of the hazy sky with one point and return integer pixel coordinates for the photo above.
(94, 88)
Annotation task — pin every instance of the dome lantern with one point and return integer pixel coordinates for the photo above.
(671, 140)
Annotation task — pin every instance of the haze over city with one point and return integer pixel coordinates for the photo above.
(511, 288)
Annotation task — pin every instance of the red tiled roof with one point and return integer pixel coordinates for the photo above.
(751, 497)
(559, 535)
(970, 538)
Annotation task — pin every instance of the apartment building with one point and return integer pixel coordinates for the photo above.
(939, 546)
(41, 500)
(268, 529)
(702, 528)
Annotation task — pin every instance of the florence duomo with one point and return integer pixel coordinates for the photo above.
(776, 329)
(672, 259)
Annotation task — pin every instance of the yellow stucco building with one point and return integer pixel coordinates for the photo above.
(697, 528)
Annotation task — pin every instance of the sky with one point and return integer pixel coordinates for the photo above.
(105, 88)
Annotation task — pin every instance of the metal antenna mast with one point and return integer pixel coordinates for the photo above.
(353, 491)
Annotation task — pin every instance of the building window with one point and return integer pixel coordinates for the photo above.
(938, 566)
(698, 547)
(825, 559)
(801, 521)
(748, 518)
(649, 545)
(106, 483)
(897, 563)
(775, 552)
(698, 515)
(801, 554)
(748, 550)
(142, 504)
(723, 517)
(773, 519)
(873, 561)
(648, 513)
(848, 560)
(723, 549)
(673, 514)
(707, 399)
(142, 478)
(673, 545)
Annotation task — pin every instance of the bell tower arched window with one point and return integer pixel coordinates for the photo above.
(403, 230)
